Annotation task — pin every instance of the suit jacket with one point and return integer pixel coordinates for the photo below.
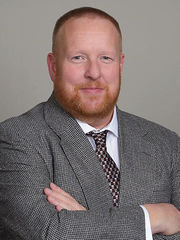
(46, 144)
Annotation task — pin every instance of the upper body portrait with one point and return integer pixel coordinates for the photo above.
(76, 166)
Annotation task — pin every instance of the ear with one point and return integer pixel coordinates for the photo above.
(51, 61)
(121, 61)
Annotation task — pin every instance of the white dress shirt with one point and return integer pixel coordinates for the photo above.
(113, 150)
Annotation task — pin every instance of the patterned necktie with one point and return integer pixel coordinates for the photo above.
(111, 171)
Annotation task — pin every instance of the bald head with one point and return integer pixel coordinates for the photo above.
(89, 12)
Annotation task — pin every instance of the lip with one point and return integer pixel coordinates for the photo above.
(92, 90)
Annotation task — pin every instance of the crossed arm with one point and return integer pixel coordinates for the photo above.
(26, 214)
(164, 217)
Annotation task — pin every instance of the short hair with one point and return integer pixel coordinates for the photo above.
(79, 12)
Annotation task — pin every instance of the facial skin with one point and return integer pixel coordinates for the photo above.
(86, 69)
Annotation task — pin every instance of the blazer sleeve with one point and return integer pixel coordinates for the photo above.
(26, 214)
(175, 175)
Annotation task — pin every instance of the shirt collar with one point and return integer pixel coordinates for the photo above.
(112, 126)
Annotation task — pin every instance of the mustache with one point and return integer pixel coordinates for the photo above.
(90, 85)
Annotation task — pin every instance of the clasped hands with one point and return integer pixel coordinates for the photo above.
(164, 217)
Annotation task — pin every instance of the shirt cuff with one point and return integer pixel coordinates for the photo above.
(147, 224)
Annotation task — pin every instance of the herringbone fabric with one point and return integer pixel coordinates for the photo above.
(111, 171)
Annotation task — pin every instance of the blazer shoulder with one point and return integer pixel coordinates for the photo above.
(146, 127)
(27, 124)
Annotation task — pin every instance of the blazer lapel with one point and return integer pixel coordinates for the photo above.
(137, 161)
(80, 155)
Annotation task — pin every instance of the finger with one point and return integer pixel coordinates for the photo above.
(59, 205)
(54, 193)
(56, 202)
(62, 202)
(57, 189)
(54, 187)
(59, 208)
(47, 191)
(53, 201)
(61, 199)
(55, 197)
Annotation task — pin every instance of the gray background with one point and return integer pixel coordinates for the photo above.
(151, 43)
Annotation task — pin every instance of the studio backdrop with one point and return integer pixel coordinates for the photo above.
(151, 44)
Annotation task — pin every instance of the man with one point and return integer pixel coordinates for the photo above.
(51, 171)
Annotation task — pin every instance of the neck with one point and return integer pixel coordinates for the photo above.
(98, 123)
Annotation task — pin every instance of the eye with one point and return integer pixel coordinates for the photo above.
(106, 59)
(78, 59)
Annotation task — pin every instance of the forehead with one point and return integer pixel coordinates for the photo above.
(88, 28)
(88, 19)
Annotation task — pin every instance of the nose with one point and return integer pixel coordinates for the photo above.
(92, 70)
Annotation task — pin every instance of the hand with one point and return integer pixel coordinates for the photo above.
(61, 199)
(164, 218)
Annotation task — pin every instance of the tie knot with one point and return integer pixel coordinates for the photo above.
(99, 138)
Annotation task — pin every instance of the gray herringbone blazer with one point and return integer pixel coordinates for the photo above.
(47, 145)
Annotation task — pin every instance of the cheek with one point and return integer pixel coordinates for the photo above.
(72, 75)
(112, 75)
